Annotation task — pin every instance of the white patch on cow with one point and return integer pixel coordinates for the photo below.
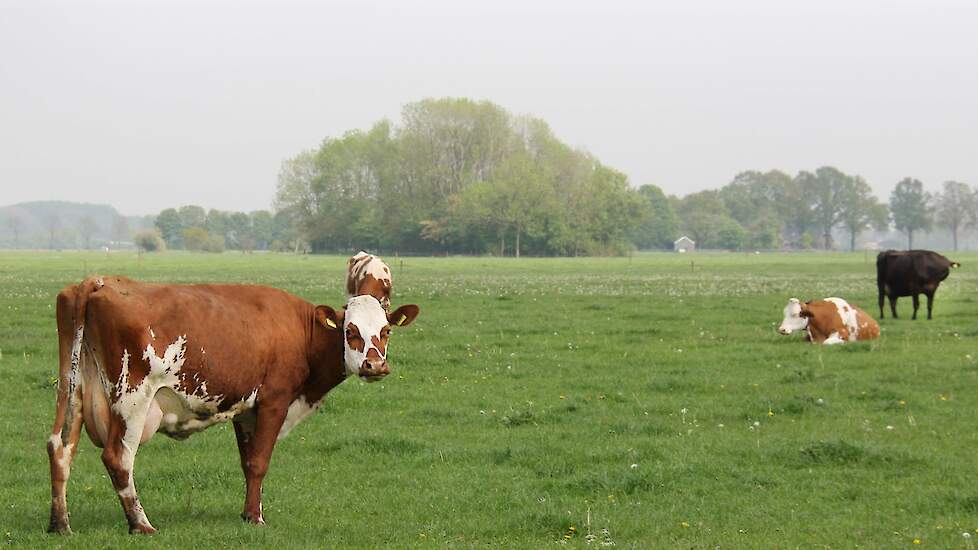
(367, 264)
(848, 315)
(792, 318)
(62, 462)
(298, 411)
(369, 316)
(834, 338)
(181, 413)
(151, 333)
(74, 377)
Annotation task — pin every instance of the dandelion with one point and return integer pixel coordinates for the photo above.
(888, 427)
(770, 412)
(633, 466)
(684, 524)
(916, 541)
(563, 397)
(902, 403)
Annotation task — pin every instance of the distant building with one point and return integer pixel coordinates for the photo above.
(684, 244)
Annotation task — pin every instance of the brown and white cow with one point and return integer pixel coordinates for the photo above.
(828, 321)
(139, 358)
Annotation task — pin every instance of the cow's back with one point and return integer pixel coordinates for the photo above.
(903, 273)
(231, 335)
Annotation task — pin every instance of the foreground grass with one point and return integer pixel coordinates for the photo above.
(647, 397)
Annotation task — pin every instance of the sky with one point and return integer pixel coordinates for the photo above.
(146, 105)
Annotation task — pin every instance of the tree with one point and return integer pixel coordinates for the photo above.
(170, 226)
(704, 216)
(910, 207)
(658, 227)
(15, 224)
(956, 208)
(120, 229)
(53, 226)
(828, 188)
(262, 228)
(860, 209)
(149, 240)
(192, 216)
(86, 228)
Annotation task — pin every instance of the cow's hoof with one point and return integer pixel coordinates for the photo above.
(142, 529)
(253, 519)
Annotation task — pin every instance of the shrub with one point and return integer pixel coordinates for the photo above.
(149, 240)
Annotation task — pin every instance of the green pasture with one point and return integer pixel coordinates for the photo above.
(647, 401)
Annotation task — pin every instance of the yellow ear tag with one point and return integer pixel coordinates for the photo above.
(401, 320)
(329, 322)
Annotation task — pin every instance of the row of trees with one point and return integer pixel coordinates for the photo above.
(774, 210)
(193, 228)
(459, 176)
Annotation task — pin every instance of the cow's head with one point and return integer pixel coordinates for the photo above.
(366, 327)
(796, 315)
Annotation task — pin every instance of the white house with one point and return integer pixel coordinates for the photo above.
(684, 244)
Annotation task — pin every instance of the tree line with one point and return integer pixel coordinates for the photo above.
(772, 210)
(459, 176)
(193, 228)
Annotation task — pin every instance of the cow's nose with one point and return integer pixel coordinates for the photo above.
(378, 368)
(782, 330)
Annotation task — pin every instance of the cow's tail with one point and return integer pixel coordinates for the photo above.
(63, 442)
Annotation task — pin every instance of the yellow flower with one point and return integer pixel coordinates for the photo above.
(770, 412)
(685, 525)
(563, 397)
(902, 403)
(916, 541)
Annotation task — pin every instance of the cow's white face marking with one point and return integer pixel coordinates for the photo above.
(363, 325)
(847, 314)
(792, 318)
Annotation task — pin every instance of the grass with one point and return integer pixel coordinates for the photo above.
(645, 396)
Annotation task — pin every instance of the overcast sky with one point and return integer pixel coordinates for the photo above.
(147, 105)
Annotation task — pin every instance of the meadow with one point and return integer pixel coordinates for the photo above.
(645, 402)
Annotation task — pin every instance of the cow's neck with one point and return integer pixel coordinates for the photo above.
(326, 368)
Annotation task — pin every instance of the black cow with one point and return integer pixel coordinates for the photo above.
(910, 273)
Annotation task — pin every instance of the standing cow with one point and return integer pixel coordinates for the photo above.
(910, 273)
(138, 358)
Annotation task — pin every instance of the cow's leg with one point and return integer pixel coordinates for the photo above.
(930, 304)
(893, 301)
(62, 446)
(916, 305)
(255, 443)
(118, 456)
(881, 303)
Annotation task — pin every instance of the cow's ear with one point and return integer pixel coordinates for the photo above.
(329, 318)
(403, 316)
(805, 312)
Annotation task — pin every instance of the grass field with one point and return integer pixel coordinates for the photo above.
(644, 400)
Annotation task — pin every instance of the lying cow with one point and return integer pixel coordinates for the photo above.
(828, 321)
(910, 273)
(137, 358)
